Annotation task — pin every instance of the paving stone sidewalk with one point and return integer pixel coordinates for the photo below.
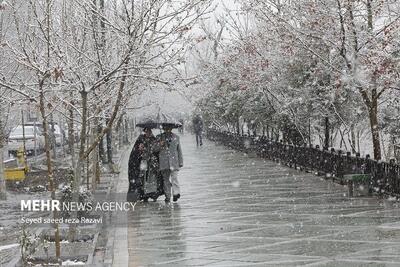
(238, 210)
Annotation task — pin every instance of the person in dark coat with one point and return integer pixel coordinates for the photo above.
(198, 129)
(141, 153)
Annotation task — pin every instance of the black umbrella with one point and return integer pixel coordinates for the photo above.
(168, 121)
(161, 120)
(148, 123)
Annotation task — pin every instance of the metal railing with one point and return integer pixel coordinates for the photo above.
(385, 177)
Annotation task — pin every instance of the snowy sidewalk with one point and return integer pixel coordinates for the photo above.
(241, 211)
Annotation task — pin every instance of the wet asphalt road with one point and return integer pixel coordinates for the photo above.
(238, 210)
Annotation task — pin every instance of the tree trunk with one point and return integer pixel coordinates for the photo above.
(71, 135)
(87, 167)
(79, 164)
(373, 119)
(49, 164)
(101, 144)
(95, 155)
(393, 153)
(2, 178)
(109, 146)
(285, 136)
(327, 131)
(370, 19)
(127, 131)
(341, 139)
(120, 136)
(396, 150)
(95, 161)
(53, 137)
(42, 107)
(84, 96)
(353, 139)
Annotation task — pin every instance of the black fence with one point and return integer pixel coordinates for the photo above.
(385, 177)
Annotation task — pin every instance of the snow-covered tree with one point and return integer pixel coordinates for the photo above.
(85, 60)
(332, 69)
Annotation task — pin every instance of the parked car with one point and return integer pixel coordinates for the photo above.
(58, 132)
(34, 139)
(39, 125)
(35, 123)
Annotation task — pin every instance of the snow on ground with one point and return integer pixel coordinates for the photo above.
(69, 262)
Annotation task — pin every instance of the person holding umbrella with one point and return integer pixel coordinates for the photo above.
(143, 167)
(171, 160)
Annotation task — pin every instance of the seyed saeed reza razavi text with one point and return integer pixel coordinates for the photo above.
(56, 205)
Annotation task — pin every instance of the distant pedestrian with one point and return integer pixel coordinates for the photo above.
(181, 129)
(198, 129)
(170, 156)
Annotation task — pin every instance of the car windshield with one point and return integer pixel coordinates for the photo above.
(29, 130)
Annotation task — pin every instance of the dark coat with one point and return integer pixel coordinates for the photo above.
(136, 155)
(197, 124)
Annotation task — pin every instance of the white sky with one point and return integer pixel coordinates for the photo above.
(175, 102)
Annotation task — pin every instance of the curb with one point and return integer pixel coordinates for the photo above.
(116, 253)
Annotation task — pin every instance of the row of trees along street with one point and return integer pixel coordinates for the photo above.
(308, 71)
(85, 61)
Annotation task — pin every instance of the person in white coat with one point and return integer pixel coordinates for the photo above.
(171, 160)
